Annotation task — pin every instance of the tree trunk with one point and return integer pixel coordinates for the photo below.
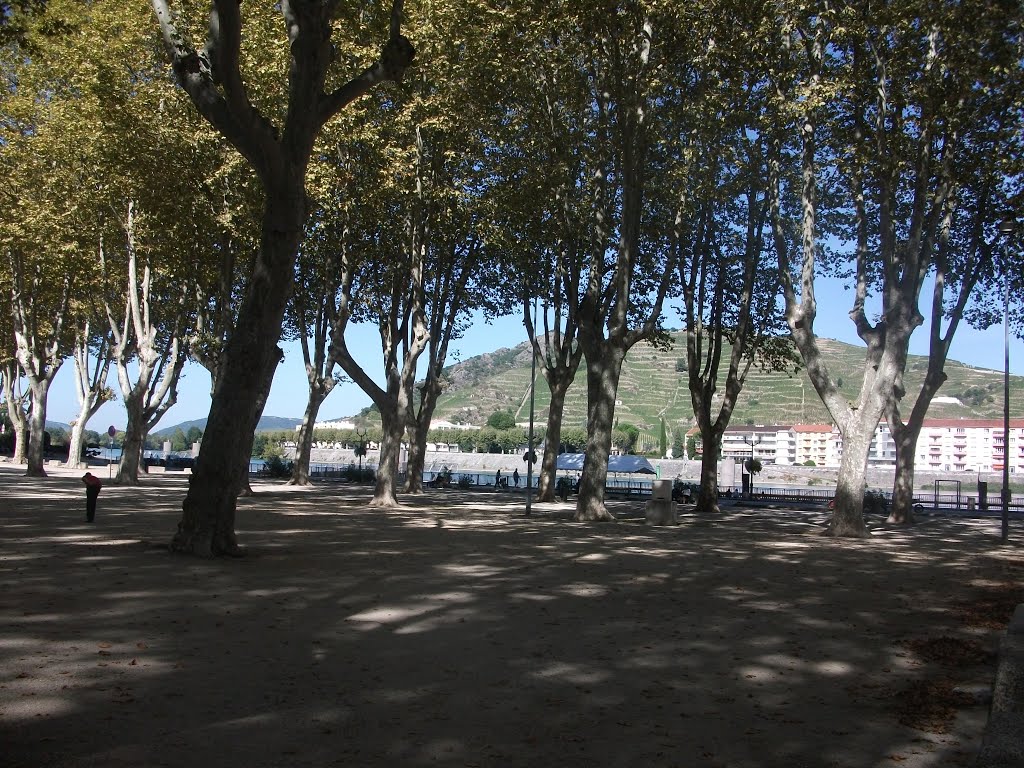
(902, 510)
(76, 444)
(300, 467)
(131, 448)
(418, 439)
(602, 386)
(90, 388)
(848, 515)
(20, 443)
(707, 496)
(15, 411)
(557, 386)
(207, 526)
(393, 428)
(36, 459)
(416, 465)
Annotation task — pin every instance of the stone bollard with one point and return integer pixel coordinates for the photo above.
(662, 512)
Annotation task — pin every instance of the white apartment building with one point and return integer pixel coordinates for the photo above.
(343, 424)
(817, 443)
(744, 442)
(945, 445)
(969, 445)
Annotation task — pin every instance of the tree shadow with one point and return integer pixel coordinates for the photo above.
(456, 632)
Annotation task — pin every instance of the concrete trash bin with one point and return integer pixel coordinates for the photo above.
(661, 490)
(661, 510)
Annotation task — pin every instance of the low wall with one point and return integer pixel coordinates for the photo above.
(1002, 745)
(689, 471)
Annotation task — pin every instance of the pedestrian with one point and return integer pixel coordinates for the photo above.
(497, 480)
(515, 477)
(92, 492)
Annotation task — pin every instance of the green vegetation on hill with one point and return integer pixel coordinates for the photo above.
(652, 388)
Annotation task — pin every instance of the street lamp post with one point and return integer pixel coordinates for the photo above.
(361, 434)
(751, 441)
(533, 400)
(1007, 227)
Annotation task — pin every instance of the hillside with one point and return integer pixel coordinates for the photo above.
(651, 387)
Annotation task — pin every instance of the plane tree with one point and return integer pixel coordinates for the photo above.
(16, 399)
(419, 276)
(39, 236)
(459, 107)
(389, 293)
(325, 268)
(456, 279)
(979, 94)
(277, 140)
(92, 357)
(620, 60)
(727, 276)
(873, 113)
(545, 169)
(87, 122)
(151, 344)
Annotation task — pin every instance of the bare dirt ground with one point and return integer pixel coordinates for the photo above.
(455, 632)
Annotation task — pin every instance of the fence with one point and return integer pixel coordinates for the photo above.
(633, 487)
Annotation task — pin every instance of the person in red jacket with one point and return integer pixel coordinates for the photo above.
(92, 492)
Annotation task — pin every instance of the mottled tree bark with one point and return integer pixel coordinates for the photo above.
(559, 381)
(15, 399)
(36, 458)
(707, 496)
(602, 385)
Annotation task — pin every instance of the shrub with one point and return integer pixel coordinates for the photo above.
(875, 502)
(354, 474)
(278, 467)
(465, 481)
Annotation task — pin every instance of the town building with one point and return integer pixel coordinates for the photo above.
(944, 445)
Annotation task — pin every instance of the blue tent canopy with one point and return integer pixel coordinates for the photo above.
(574, 461)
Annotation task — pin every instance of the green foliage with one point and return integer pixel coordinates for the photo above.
(277, 466)
(260, 443)
(691, 447)
(810, 463)
(501, 420)
(272, 450)
(624, 437)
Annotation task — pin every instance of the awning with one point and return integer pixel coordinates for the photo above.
(574, 461)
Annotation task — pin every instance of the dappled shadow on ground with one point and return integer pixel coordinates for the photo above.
(456, 632)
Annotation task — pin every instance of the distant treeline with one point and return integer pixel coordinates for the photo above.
(625, 439)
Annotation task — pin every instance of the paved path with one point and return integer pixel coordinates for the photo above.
(454, 632)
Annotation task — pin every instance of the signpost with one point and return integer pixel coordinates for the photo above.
(111, 431)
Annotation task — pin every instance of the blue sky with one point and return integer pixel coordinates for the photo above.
(288, 394)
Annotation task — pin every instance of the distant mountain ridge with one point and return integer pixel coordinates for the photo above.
(266, 424)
